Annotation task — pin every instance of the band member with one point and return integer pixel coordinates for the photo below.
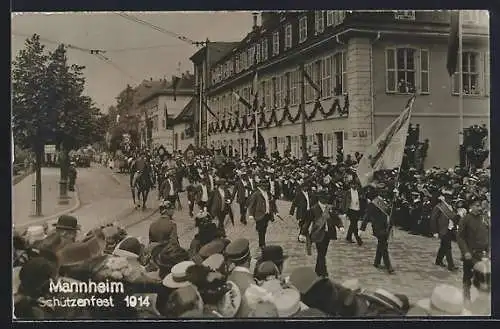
(352, 207)
(473, 239)
(301, 205)
(321, 227)
(203, 192)
(443, 222)
(242, 191)
(169, 190)
(219, 203)
(377, 213)
(260, 209)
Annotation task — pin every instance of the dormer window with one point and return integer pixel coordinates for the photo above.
(405, 15)
(303, 29)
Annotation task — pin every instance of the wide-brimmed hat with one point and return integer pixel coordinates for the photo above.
(66, 222)
(396, 302)
(130, 247)
(272, 253)
(177, 277)
(230, 303)
(35, 233)
(215, 262)
(304, 279)
(287, 302)
(352, 284)
(446, 300)
(237, 250)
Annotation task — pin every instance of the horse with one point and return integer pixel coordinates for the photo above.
(142, 186)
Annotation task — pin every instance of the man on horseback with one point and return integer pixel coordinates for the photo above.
(141, 176)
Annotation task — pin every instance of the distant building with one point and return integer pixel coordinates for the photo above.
(159, 106)
(183, 127)
(367, 64)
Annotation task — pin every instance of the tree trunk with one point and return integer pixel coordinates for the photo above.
(64, 167)
(38, 179)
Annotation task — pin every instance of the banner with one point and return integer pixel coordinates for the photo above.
(453, 42)
(387, 151)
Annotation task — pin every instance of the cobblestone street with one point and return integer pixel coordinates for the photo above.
(412, 256)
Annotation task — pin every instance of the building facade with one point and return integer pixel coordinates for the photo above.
(160, 107)
(367, 64)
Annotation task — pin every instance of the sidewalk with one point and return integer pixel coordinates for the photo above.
(23, 206)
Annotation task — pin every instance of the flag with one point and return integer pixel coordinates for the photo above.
(175, 83)
(311, 82)
(242, 100)
(209, 109)
(453, 42)
(387, 151)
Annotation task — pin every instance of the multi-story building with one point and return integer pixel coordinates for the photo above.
(160, 106)
(368, 64)
(203, 60)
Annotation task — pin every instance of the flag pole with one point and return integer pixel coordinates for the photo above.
(303, 109)
(396, 186)
(461, 82)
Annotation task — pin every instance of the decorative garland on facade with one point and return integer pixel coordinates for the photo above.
(286, 116)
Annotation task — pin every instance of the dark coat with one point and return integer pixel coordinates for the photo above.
(299, 204)
(199, 192)
(439, 221)
(239, 192)
(317, 222)
(166, 187)
(217, 205)
(346, 200)
(257, 205)
(379, 221)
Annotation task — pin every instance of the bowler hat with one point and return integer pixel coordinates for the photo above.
(67, 222)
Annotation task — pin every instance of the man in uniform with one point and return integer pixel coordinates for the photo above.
(443, 219)
(238, 253)
(377, 213)
(260, 209)
(473, 239)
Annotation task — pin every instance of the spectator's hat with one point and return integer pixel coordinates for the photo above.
(273, 253)
(304, 279)
(238, 250)
(446, 300)
(177, 277)
(67, 222)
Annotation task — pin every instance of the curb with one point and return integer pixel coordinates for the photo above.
(48, 218)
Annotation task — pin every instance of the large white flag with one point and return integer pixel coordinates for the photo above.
(387, 151)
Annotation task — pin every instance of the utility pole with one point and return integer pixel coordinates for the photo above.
(303, 109)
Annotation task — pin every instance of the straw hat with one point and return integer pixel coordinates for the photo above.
(35, 233)
(231, 302)
(287, 302)
(446, 300)
(177, 277)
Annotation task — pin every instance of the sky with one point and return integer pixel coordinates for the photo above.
(138, 52)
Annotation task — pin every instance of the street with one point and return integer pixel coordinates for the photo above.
(105, 197)
(412, 256)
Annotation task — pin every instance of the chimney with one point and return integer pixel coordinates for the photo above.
(255, 15)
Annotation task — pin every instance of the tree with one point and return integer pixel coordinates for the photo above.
(30, 109)
(125, 101)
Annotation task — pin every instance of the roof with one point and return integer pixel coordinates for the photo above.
(185, 87)
(217, 50)
(187, 113)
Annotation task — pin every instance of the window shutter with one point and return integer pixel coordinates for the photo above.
(390, 70)
(487, 73)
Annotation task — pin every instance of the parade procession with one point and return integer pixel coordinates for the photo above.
(277, 181)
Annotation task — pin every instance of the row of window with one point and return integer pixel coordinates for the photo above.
(259, 52)
(330, 73)
(407, 72)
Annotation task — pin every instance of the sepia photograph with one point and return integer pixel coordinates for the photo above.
(318, 164)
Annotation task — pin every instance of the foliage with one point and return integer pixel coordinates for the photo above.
(49, 106)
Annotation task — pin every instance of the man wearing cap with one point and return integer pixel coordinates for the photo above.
(242, 191)
(219, 203)
(238, 253)
(301, 206)
(352, 206)
(443, 219)
(260, 209)
(473, 239)
(377, 213)
(321, 227)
